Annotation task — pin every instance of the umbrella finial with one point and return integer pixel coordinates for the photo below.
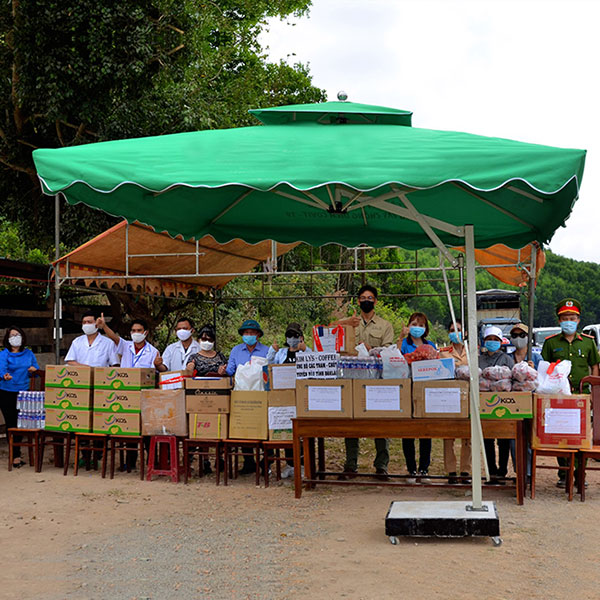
(342, 96)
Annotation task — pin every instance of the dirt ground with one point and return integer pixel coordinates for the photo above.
(88, 537)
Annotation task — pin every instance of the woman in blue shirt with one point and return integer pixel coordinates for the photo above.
(16, 365)
(413, 336)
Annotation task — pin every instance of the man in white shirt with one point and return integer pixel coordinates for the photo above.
(92, 349)
(137, 352)
(177, 355)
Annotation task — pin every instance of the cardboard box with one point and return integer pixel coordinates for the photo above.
(119, 423)
(80, 398)
(328, 340)
(120, 401)
(324, 398)
(209, 383)
(282, 409)
(208, 427)
(117, 378)
(382, 398)
(58, 419)
(561, 421)
(432, 370)
(248, 417)
(506, 405)
(208, 396)
(172, 380)
(441, 399)
(163, 412)
(68, 376)
(279, 377)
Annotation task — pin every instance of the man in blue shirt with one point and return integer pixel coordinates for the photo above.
(250, 346)
(240, 355)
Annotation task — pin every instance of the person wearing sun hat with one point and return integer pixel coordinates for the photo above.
(242, 353)
(518, 336)
(579, 348)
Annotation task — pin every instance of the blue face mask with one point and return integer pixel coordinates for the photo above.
(455, 337)
(492, 345)
(250, 340)
(568, 327)
(417, 332)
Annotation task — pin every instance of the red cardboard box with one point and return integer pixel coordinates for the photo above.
(561, 421)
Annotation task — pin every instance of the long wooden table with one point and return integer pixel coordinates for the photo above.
(307, 429)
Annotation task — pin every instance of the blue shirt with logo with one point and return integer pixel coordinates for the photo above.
(16, 364)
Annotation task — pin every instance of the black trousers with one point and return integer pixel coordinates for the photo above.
(8, 405)
(408, 447)
(500, 469)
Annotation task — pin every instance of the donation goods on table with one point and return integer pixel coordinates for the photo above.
(331, 383)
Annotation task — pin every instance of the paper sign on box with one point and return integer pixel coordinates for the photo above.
(431, 370)
(316, 365)
(310, 402)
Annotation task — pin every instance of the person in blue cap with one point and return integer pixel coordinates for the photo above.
(250, 346)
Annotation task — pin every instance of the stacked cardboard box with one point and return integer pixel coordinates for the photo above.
(117, 399)
(249, 416)
(445, 399)
(281, 410)
(68, 398)
(207, 403)
(163, 412)
(506, 405)
(561, 421)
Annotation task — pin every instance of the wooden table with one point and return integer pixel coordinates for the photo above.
(307, 429)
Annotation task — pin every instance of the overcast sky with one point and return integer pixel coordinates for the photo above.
(522, 69)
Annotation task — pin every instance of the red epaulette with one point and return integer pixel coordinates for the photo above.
(587, 335)
(554, 335)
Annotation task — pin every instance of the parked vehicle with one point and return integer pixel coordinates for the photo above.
(501, 308)
(539, 337)
(594, 331)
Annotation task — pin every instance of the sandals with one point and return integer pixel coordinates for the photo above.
(19, 464)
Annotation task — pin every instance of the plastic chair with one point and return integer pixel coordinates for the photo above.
(172, 468)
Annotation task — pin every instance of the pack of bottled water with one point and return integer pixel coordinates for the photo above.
(353, 367)
(32, 414)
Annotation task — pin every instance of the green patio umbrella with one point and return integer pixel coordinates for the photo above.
(331, 172)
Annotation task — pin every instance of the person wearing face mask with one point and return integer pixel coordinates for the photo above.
(491, 355)
(17, 365)
(579, 348)
(207, 359)
(412, 337)
(518, 337)
(374, 332)
(242, 353)
(294, 343)
(178, 355)
(136, 352)
(92, 349)
(458, 352)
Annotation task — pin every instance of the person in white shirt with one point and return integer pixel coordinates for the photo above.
(177, 355)
(92, 349)
(136, 352)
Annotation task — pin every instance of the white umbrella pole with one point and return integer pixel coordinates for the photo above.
(476, 432)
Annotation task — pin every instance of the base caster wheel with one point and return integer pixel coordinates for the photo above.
(393, 540)
(497, 540)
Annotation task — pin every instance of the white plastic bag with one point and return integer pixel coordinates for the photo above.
(553, 378)
(249, 377)
(394, 364)
(362, 351)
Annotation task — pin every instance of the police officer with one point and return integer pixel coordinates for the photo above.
(579, 348)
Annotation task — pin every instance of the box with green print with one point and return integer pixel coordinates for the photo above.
(119, 378)
(67, 398)
(506, 405)
(69, 376)
(76, 420)
(117, 400)
(119, 423)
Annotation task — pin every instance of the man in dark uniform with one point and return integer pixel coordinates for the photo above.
(579, 348)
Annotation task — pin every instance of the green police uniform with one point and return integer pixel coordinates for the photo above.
(582, 352)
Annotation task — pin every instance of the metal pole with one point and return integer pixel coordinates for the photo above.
(473, 362)
(57, 307)
(532, 279)
(461, 280)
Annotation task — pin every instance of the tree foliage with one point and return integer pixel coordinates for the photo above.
(75, 72)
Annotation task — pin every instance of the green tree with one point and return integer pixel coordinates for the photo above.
(74, 72)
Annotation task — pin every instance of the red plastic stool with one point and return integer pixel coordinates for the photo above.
(173, 469)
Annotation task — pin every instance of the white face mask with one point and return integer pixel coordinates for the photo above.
(206, 345)
(519, 342)
(15, 341)
(89, 328)
(138, 337)
(183, 334)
